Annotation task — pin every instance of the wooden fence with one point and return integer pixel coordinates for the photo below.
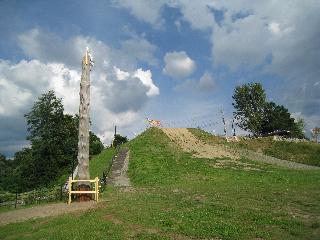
(95, 186)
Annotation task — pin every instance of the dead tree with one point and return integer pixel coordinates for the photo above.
(224, 123)
(83, 143)
(315, 133)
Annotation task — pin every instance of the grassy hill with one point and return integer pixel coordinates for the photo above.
(302, 152)
(177, 196)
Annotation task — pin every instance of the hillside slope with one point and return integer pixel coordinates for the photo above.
(177, 196)
(301, 152)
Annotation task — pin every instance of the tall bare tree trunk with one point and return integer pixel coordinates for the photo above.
(83, 143)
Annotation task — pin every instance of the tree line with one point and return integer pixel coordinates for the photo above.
(53, 148)
(260, 117)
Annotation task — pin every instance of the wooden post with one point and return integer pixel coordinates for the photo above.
(69, 189)
(16, 200)
(98, 187)
(82, 192)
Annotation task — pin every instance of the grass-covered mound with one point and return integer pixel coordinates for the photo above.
(176, 196)
(302, 152)
(99, 163)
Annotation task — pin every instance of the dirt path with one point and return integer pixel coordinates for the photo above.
(189, 143)
(119, 169)
(255, 156)
(53, 209)
(117, 178)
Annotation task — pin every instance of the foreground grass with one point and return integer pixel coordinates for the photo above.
(179, 197)
(302, 152)
(98, 164)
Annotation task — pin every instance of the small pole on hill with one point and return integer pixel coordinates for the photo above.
(233, 128)
(224, 123)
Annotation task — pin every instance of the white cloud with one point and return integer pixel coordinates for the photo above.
(121, 75)
(144, 76)
(23, 82)
(117, 95)
(20, 85)
(178, 64)
(206, 83)
(141, 49)
(146, 79)
(147, 11)
(198, 13)
(289, 41)
(274, 27)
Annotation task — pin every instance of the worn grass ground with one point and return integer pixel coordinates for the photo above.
(302, 152)
(176, 196)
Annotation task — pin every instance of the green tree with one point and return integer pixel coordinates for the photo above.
(278, 118)
(96, 145)
(46, 125)
(249, 104)
(260, 117)
(4, 169)
(297, 129)
(118, 140)
(54, 146)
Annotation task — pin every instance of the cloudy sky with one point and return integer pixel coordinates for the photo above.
(177, 61)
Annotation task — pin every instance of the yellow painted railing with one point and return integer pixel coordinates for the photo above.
(95, 191)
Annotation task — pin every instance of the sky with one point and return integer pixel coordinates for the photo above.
(177, 61)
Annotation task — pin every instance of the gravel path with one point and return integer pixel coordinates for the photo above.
(53, 209)
(119, 170)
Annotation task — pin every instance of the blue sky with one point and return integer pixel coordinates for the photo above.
(176, 61)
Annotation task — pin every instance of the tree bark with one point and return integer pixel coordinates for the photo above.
(83, 143)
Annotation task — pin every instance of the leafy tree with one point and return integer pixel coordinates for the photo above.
(262, 117)
(118, 140)
(249, 103)
(96, 145)
(24, 176)
(54, 146)
(297, 129)
(46, 125)
(278, 118)
(3, 170)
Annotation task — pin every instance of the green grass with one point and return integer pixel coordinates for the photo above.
(302, 152)
(176, 196)
(99, 163)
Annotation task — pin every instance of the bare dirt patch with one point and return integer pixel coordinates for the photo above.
(44, 211)
(189, 143)
(112, 219)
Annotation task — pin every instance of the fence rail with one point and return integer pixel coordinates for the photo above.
(43, 195)
(46, 195)
(95, 187)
